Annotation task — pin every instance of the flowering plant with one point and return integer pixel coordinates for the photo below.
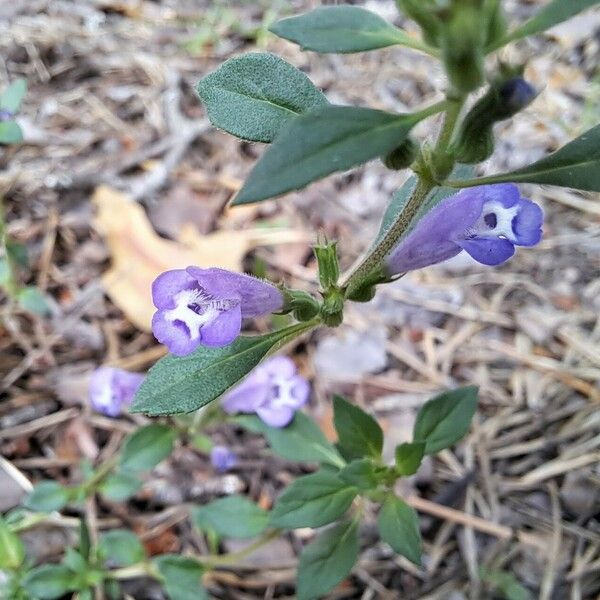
(442, 210)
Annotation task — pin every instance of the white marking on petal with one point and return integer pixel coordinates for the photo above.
(282, 391)
(104, 398)
(504, 219)
(207, 309)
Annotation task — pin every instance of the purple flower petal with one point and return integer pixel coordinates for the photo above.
(222, 458)
(431, 241)
(246, 397)
(224, 329)
(174, 335)
(506, 194)
(300, 391)
(486, 221)
(205, 306)
(111, 389)
(279, 366)
(273, 391)
(527, 225)
(489, 251)
(167, 285)
(276, 416)
(257, 297)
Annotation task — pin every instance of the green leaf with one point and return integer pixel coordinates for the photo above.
(74, 561)
(253, 96)
(505, 583)
(398, 525)
(120, 486)
(182, 577)
(234, 516)
(121, 547)
(552, 14)
(13, 95)
(327, 560)
(10, 132)
(359, 433)
(300, 441)
(576, 165)
(323, 141)
(48, 582)
(360, 473)
(47, 496)
(312, 501)
(85, 542)
(402, 195)
(12, 551)
(183, 384)
(343, 29)
(33, 300)
(146, 447)
(17, 253)
(445, 419)
(409, 457)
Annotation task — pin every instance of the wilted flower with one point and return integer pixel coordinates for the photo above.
(487, 221)
(222, 458)
(274, 391)
(111, 389)
(206, 306)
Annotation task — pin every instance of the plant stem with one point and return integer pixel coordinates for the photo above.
(234, 557)
(425, 184)
(103, 470)
(377, 254)
(10, 284)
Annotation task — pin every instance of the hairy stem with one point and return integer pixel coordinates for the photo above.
(425, 183)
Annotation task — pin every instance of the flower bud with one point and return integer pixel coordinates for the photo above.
(503, 99)
(332, 309)
(462, 41)
(403, 156)
(303, 306)
(329, 269)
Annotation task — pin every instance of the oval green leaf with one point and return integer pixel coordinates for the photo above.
(445, 419)
(13, 95)
(234, 516)
(342, 29)
(327, 560)
(48, 582)
(10, 133)
(359, 433)
(300, 441)
(552, 14)
(120, 486)
(253, 96)
(121, 547)
(146, 447)
(182, 577)
(398, 525)
(12, 551)
(312, 501)
(576, 165)
(321, 142)
(183, 384)
(47, 496)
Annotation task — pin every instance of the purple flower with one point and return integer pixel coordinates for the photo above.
(111, 389)
(222, 458)
(487, 221)
(274, 391)
(6, 115)
(206, 306)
